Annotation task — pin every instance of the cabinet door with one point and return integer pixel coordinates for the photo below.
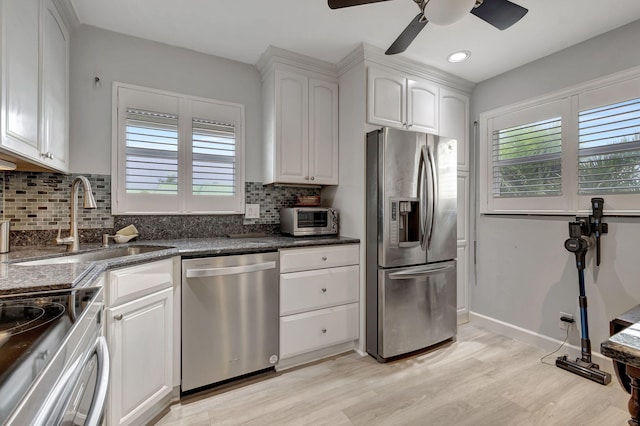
(422, 106)
(20, 68)
(292, 127)
(140, 337)
(323, 132)
(55, 60)
(454, 122)
(386, 98)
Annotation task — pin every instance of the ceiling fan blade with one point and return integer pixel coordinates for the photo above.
(500, 13)
(337, 4)
(404, 40)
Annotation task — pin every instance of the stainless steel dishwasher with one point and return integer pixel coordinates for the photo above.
(229, 317)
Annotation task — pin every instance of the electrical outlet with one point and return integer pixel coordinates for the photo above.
(252, 211)
(565, 324)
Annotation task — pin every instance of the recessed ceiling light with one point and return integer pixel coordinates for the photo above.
(459, 56)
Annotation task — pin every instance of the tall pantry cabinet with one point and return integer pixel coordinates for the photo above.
(377, 90)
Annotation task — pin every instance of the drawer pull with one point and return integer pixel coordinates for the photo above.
(324, 290)
(118, 317)
(324, 258)
(324, 330)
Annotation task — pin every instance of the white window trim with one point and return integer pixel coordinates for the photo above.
(573, 99)
(184, 203)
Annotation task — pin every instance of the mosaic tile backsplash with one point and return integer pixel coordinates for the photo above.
(37, 204)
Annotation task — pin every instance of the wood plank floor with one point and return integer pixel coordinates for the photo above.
(481, 379)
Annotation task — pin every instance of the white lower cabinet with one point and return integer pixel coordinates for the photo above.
(317, 329)
(319, 302)
(140, 333)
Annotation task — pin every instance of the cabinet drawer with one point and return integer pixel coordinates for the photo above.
(313, 330)
(320, 288)
(293, 260)
(129, 283)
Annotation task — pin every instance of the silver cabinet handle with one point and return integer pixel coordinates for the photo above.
(324, 258)
(306, 178)
(118, 317)
(230, 270)
(313, 178)
(324, 330)
(47, 155)
(324, 290)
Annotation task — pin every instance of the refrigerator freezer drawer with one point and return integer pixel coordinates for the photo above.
(416, 308)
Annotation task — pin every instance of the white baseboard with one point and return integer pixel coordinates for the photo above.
(537, 340)
(463, 317)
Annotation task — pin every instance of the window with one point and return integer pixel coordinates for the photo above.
(609, 149)
(551, 155)
(175, 153)
(526, 159)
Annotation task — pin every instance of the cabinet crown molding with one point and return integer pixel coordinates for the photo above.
(68, 13)
(372, 55)
(275, 55)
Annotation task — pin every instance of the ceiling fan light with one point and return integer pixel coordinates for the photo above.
(459, 56)
(446, 12)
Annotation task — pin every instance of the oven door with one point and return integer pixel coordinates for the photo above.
(89, 393)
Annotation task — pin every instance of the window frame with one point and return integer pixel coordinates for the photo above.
(186, 107)
(570, 102)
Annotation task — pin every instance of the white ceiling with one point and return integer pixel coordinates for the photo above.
(242, 29)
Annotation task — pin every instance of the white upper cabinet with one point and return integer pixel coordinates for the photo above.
(20, 65)
(35, 68)
(402, 101)
(323, 132)
(454, 122)
(301, 121)
(422, 106)
(292, 127)
(386, 100)
(55, 89)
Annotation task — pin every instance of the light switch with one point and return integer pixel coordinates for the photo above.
(252, 211)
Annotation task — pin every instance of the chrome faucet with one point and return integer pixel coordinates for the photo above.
(73, 240)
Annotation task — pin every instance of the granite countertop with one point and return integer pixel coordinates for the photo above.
(15, 278)
(624, 346)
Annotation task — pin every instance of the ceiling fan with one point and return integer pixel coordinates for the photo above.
(499, 13)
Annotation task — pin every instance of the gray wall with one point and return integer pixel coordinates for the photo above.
(117, 57)
(524, 275)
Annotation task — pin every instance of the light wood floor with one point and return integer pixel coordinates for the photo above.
(481, 379)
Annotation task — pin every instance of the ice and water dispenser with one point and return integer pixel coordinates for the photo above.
(405, 222)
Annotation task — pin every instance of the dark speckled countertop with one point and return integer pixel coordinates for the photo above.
(624, 346)
(16, 278)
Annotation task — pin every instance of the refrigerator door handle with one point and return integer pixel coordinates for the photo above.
(421, 197)
(418, 273)
(432, 199)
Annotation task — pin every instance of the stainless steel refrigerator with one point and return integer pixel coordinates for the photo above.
(411, 242)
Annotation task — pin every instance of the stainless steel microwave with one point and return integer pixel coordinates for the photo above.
(303, 221)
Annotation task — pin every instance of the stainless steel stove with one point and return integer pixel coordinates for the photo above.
(54, 363)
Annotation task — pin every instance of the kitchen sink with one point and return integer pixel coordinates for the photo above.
(93, 256)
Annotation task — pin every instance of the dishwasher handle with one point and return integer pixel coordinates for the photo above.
(230, 270)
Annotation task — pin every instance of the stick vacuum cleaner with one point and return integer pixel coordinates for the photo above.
(582, 232)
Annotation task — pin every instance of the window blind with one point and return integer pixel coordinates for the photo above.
(609, 149)
(527, 159)
(151, 152)
(214, 158)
